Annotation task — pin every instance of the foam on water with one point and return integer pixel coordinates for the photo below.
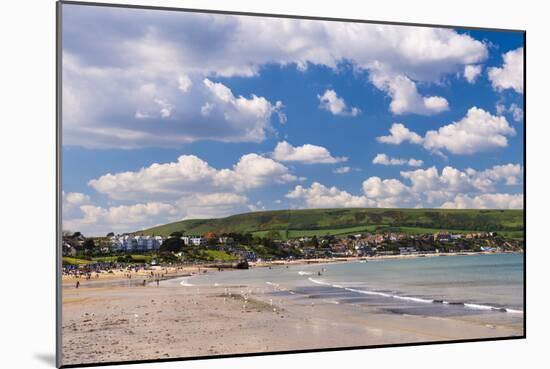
(450, 285)
(417, 299)
(185, 283)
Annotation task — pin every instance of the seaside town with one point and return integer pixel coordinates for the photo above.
(227, 247)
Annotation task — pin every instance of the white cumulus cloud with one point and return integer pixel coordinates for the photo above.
(308, 154)
(190, 175)
(342, 170)
(384, 159)
(320, 196)
(71, 202)
(405, 96)
(486, 201)
(471, 72)
(184, 83)
(399, 134)
(478, 131)
(94, 220)
(336, 105)
(121, 109)
(513, 109)
(510, 74)
(389, 193)
(428, 187)
(110, 83)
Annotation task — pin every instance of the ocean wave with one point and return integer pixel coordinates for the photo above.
(418, 299)
(301, 272)
(185, 283)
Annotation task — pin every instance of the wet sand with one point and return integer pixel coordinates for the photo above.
(119, 323)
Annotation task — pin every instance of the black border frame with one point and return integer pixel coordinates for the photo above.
(58, 113)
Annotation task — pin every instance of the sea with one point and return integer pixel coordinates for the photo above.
(434, 286)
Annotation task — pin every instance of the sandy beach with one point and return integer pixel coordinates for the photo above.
(114, 321)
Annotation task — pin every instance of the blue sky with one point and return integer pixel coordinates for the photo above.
(170, 115)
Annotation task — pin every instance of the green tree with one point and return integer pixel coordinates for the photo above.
(88, 246)
(172, 244)
(167, 256)
(314, 241)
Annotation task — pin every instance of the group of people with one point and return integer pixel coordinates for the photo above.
(134, 271)
(82, 274)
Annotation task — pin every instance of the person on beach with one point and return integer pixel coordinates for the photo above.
(144, 282)
(158, 282)
(77, 284)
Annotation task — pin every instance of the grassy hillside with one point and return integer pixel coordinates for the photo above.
(309, 222)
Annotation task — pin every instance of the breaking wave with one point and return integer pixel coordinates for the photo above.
(419, 299)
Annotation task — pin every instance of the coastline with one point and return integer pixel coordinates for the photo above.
(372, 258)
(114, 322)
(121, 323)
(169, 272)
(134, 277)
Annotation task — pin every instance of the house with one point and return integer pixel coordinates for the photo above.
(340, 249)
(247, 255)
(126, 243)
(226, 240)
(123, 243)
(391, 237)
(210, 237)
(68, 249)
(140, 243)
(76, 239)
(407, 251)
(364, 249)
(443, 237)
(194, 240)
(159, 240)
(197, 241)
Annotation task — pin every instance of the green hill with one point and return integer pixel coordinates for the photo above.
(309, 222)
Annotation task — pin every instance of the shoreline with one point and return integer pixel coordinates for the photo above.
(372, 258)
(168, 272)
(132, 276)
(113, 322)
(171, 321)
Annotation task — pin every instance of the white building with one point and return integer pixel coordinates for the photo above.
(408, 250)
(136, 243)
(193, 240)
